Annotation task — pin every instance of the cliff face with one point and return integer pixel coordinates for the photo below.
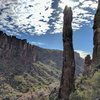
(15, 53)
(96, 27)
(97, 17)
(19, 55)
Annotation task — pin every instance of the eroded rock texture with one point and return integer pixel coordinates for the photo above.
(96, 27)
(68, 71)
(15, 53)
(87, 65)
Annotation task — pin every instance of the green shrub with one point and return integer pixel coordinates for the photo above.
(87, 88)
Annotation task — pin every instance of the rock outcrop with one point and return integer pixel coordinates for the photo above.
(15, 53)
(96, 28)
(87, 65)
(68, 71)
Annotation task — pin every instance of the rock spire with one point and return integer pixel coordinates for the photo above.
(68, 71)
(96, 39)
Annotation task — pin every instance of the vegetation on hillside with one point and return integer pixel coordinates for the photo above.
(41, 76)
(87, 87)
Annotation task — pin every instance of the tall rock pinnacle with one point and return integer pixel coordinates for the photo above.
(68, 71)
(96, 27)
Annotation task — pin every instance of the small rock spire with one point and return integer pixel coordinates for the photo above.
(87, 65)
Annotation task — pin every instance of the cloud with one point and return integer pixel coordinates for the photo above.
(92, 4)
(43, 16)
(37, 43)
(26, 14)
(83, 54)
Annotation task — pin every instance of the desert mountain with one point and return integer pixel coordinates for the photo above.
(25, 67)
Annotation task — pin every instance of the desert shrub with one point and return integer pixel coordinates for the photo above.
(18, 82)
(87, 88)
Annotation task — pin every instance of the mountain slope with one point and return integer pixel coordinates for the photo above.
(26, 68)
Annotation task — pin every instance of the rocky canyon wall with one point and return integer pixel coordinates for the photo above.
(96, 28)
(15, 53)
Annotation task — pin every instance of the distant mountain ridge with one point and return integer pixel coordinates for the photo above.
(24, 67)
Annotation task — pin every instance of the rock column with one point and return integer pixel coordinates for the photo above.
(96, 28)
(68, 71)
(87, 65)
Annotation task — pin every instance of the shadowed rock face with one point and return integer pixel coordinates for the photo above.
(97, 17)
(87, 65)
(68, 71)
(96, 27)
(15, 53)
(18, 55)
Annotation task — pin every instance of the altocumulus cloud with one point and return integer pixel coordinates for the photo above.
(43, 16)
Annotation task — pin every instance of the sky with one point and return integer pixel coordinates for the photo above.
(41, 22)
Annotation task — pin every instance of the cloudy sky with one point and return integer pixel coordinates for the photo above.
(41, 21)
